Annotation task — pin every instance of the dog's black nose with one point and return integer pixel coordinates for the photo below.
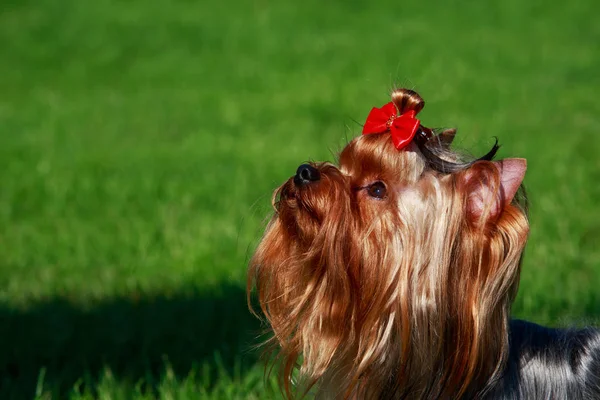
(305, 174)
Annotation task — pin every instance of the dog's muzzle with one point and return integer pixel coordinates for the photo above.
(306, 174)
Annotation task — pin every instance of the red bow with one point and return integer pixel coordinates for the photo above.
(402, 128)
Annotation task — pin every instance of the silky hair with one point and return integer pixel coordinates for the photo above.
(407, 295)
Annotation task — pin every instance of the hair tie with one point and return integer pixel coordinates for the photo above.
(402, 127)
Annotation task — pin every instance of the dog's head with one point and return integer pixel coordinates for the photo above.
(392, 272)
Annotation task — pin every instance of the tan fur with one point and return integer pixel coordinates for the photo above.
(406, 296)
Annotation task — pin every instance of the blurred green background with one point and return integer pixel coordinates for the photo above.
(140, 142)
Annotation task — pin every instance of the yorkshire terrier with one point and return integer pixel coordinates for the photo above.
(391, 275)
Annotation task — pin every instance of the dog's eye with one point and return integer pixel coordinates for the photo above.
(377, 190)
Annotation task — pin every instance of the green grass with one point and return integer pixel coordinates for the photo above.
(140, 142)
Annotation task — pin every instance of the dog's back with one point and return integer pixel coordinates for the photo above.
(547, 363)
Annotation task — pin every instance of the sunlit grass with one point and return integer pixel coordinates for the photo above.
(140, 142)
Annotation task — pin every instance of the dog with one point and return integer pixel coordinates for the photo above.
(391, 275)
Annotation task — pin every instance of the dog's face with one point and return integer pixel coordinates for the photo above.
(344, 205)
(378, 269)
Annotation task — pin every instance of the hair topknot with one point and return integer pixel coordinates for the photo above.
(407, 100)
(435, 145)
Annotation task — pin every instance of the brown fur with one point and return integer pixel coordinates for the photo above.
(402, 297)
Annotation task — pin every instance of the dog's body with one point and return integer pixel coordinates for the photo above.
(392, 275)
(546, 363)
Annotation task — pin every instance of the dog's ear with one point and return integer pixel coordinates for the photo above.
(491, 186)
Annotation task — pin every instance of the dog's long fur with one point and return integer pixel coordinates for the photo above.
(546, 363)
(408, 294)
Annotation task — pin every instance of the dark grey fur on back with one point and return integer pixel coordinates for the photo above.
(547, 363)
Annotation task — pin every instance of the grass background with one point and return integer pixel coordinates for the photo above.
(140, 142)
